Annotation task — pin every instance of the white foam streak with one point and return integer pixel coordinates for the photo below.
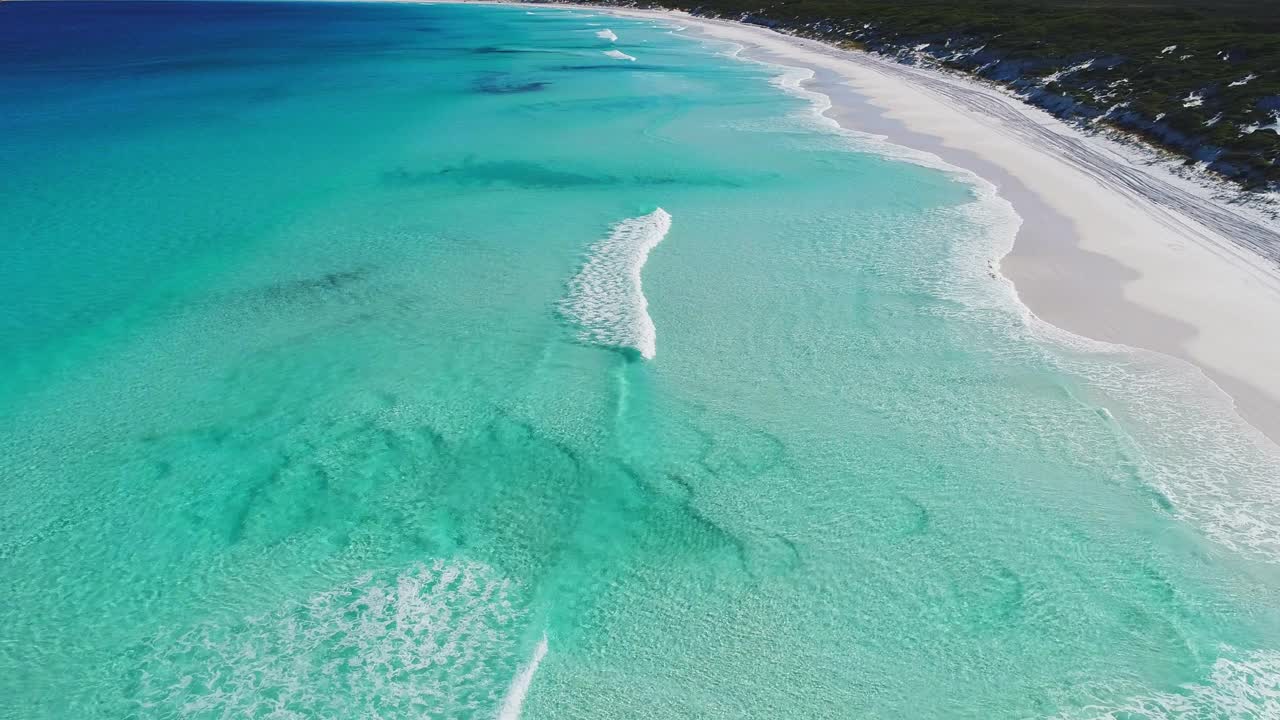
(514, 701)
(619, 55)
(605, 298)
(607, 34)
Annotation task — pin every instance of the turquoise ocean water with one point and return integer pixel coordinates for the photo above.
(393, 361)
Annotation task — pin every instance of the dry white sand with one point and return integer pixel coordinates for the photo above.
(1109, 249)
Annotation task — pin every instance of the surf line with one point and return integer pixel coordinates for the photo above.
(606, 299)
(514, 701)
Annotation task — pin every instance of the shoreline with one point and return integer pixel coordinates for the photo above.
(1130, 255)
(1124, 256)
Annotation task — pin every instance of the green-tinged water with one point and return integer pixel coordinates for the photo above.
(331, 390)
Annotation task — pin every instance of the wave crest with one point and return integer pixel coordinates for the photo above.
(605, 298)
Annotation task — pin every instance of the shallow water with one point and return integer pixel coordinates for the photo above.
(347, 374)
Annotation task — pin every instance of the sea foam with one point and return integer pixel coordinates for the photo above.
(1238, 685)
(607, 34)
(605, 297)
(429, 640)
(619, 55)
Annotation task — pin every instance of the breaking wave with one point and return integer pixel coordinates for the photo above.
(619, 55)
(607, 34)
(605, 298)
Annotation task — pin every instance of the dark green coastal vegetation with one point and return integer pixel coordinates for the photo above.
(1197, 77)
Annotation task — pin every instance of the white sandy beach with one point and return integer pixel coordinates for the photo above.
(1109, 249)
